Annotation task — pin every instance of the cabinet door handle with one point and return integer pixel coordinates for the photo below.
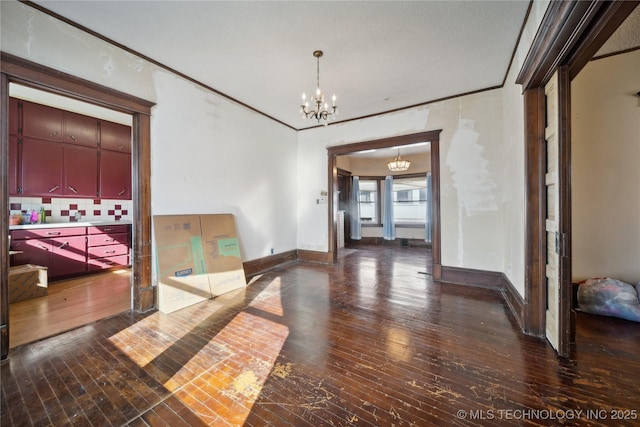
(73, 138)
(63, 245)
(122, 192)
(109, 252)
(109, 240)
(53, 233)
(121, 147)
(43, 247)
(73, 189)
(54, 188)
(54, 133)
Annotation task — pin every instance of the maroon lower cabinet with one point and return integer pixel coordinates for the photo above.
(75, 250)
(108, 247)
(68, 256)
(62, 250)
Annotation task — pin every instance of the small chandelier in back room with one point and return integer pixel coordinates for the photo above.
(319, 109)
(398, 164)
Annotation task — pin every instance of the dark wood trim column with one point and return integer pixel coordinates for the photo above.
(332, 199)
(144, 295)
(535, 213)
(436, 233)
(4, 217)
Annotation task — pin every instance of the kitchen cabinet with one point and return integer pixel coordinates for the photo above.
(14, 118)
(115, 137)
(80, 130)
(54, 169)
(61, 154)
(41, 168)
(41, 121)
(14, 189)
(115, 175)
(80, 171)
(108, 246)
(62, 250)
(73, 250)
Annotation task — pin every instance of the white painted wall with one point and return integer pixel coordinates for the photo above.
(605, 177)
(208, 155)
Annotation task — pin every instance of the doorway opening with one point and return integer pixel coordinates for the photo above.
(340, 182)
(84, 274)
(23, 72)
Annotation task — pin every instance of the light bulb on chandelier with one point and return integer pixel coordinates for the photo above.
(319, 110)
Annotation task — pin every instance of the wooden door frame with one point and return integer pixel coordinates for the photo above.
(570, 35)
(434, 138)
(17, 70)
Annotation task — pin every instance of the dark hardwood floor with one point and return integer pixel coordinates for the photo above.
(371, 341)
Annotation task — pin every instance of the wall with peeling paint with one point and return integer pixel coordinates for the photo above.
(208, 155)
(471, 176)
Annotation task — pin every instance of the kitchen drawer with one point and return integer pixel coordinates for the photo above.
(108, 239)
(108, 229)
(114, 261)
(108, 251)
(39, 233)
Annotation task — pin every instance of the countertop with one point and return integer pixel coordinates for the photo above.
(68, 224)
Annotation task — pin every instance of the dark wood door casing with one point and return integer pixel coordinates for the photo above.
(18, 70)
(570, 34)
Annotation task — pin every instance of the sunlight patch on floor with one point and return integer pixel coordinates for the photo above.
(269, 299)
(222, 379)
(230, 388)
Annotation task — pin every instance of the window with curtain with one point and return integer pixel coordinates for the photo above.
(410, 200)
(369, 201)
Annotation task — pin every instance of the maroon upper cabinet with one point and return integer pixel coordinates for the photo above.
(41, 168)
(80, 130)
(13, 166)
(80, 172)
(115, 175)
(14, 119)
(115, 137)
(40, 121)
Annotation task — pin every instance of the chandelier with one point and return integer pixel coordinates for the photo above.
(397, 164)
(319, 109)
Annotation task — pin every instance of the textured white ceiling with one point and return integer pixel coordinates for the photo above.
(378, 55)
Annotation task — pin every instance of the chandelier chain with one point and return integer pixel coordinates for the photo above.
(318, 111)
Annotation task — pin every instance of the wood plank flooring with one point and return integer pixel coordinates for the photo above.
(70, 304)
(371, 341)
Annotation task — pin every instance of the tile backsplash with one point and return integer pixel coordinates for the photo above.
(65, 209)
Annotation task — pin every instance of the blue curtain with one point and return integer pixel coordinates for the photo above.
(354, 209)
(388, 223)
(429, 222)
